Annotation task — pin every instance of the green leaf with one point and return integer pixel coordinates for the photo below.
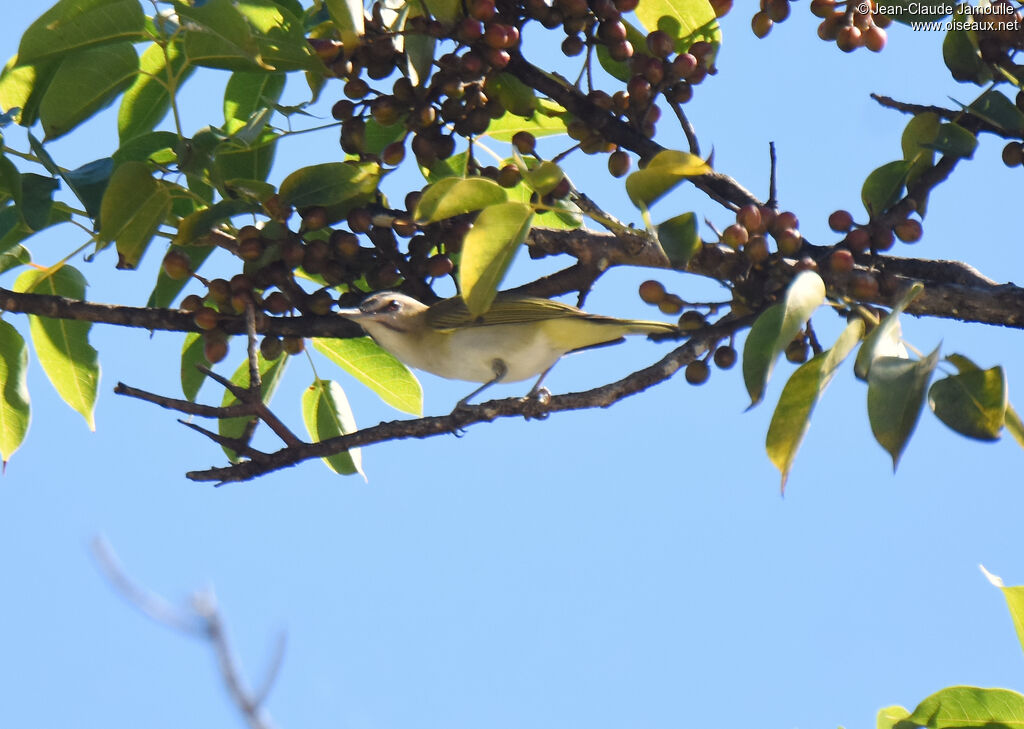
(347, 16)
(955, 141)
(234, 159)
(271, 372)
(1014, 601)
(447, 11)
(167, 289)
(331, 184)
(884, 186)
(37, 198)
(666, 170)
(973, 403)
(896, 389)
(885, 339)
(194, 227)
(961, 55)
(417, 48)
(13, 230)
(155, 146)
(455, 166)
(776, 327)
(959, 707)
(376, 368)
(547, 119)
(543, 178)
(85, 83)
(89, 182)
(679, 239)
(225, 34)
(455, 196)
(327, 414)
(802, 392)
(14, 410)
(488, 250)
(621, 69)
(247, 94)
(62, 345)
(10, 181)
(919, 135)
(148, 100)
(134, 206)
(995, 108)
(191, 355)
(687, 21)
(72, 26)
(1015, 425)
(23, 87)
(890, 717)
(517, 98)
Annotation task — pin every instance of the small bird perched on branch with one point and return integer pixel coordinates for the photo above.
(519, 337)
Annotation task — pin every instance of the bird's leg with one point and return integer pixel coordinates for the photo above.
(500, 370)
(537, 391)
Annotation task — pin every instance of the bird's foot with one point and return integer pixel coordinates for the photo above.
(536, 402)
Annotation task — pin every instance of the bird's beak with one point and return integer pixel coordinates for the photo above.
(353, 314)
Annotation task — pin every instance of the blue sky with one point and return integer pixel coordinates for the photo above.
(634, 566)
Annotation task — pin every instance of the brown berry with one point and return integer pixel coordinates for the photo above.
(697, 372)
(177, 265)
(840, 221)
(206, 319)
(1013, 154)
(863, 285)
(841, 261)
(761, 24)
(749, 216)
(618, 163)
(293, 345)
(652, 292)
(215, 348)
(725, 357)
(735, 236)
(271, 347)
(909, 230)
(691, 321)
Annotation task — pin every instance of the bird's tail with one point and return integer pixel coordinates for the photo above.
(658, 328)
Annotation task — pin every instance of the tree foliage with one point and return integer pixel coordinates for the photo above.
(453, 93)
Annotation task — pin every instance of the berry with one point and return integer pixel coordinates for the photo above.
(840, 221)
(618, 163)
(206, 319)
(735, 236)
(652, 292)
(761, 24)
(725, 357)
(908, 231)
(177, 265)
(863, 286)
(841, 260)
(697, 372)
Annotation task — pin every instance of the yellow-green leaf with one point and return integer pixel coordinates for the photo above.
(271, 372)
(134, 206)
(775, 329)
(687, 21)
(454, 196)
(362, 358)
(884, 340)
(961, 707)
(327, 414)
(147, 101)
(802, 392)
(330, 184)
(488, 250)
(971, 403)
(666, 170)
(75, 25)
(14, 409)
(62, 345)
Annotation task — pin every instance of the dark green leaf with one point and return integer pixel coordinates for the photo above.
(515, 96)
(331, 184)
(955, 141)
(679, 239)
(37, 197)
(776, 328)
(62, 345)
(621, 69)
(376, 368)
(447, 11)
(191, 355)
(896, 389)
(488, 250)
(327, 414)
(15, 412)
(995, 108)
(961, 55)
(76, 25)
(972, 403)
(156, 146)
(224, 33)
(884, 186)
(193, 228)
(85, 83)
(89, 182)
(167, 289)
(378, 137)
(234, 160)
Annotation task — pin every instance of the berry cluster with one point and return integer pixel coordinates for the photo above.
(753, 226)
(844, 23)
(770, 13)
(861, 239)
(691, 320)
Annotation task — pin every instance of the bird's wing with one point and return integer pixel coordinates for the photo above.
(506, 309)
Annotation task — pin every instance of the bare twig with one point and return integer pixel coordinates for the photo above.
(201, 619)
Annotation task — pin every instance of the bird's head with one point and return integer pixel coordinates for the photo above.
(387, 309)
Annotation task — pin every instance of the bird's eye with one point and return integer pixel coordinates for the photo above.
(392, 306)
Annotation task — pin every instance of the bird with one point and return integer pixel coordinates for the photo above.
(517, 338)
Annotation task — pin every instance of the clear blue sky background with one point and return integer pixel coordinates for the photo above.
(634, 566)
